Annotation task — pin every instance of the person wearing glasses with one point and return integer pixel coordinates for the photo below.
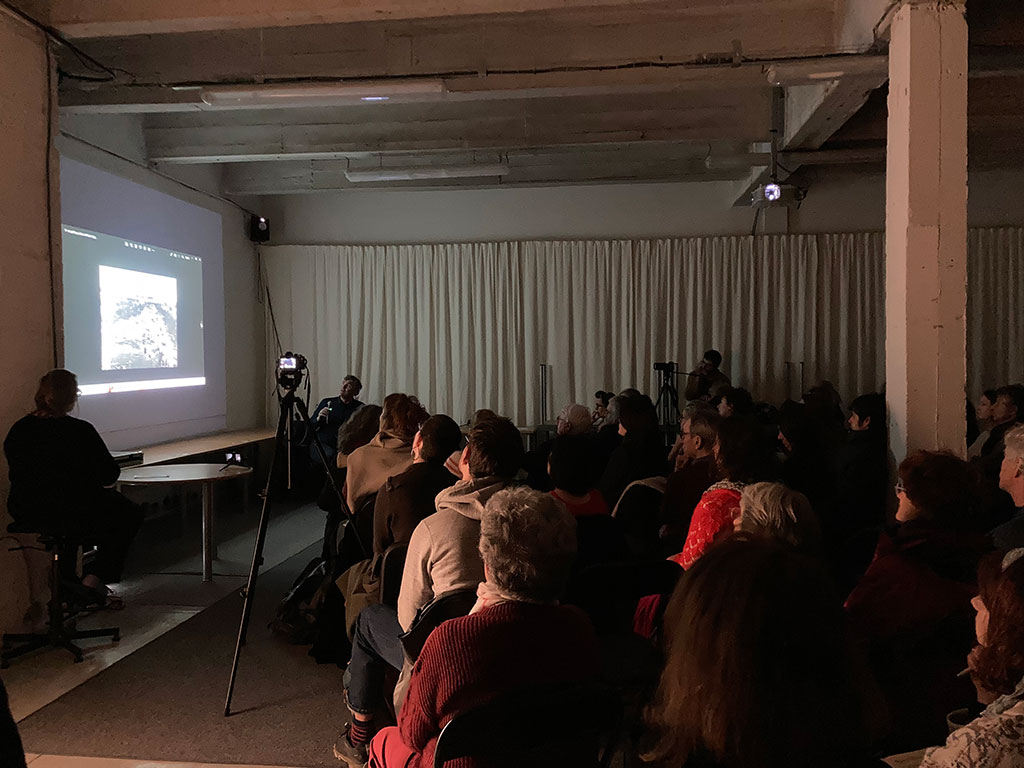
(912, 607)
(61, 476)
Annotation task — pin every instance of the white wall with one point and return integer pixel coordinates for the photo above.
(838, 201)
(25, 305)
(243, 313)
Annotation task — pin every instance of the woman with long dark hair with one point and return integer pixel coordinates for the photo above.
(760, 671)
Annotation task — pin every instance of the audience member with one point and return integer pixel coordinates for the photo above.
(61, 473)
(443, 556)
(608, 437)
(863, 490)
(408, 497)
(983, 414)
(359, 430)
(641, 453)
(706, 381)
(809, 466)
(996, 738)
(735, 401)
(402, 502)
(912, 606)
(442, 552)
(600, 415)
(331, 413)
(740, 459)
(695, 471)
(1010, 535)
(516, 638)
(760, 670)
(455, 460)
(574, 419)
(773, 510)
(1007, 411)
(388, 453)
(571, 467)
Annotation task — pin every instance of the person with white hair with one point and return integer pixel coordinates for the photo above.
(517, 636)
(773, 510)
(1010, 534)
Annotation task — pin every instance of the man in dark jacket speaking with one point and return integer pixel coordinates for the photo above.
(331, 413)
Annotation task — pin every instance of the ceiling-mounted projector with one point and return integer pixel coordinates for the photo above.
(775, 195)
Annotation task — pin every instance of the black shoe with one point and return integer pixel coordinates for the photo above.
(355, 755)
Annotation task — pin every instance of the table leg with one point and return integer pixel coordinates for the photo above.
(207, 531)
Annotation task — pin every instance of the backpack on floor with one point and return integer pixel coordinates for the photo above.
(296, 615)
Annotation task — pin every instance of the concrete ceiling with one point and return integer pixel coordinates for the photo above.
(559, 91)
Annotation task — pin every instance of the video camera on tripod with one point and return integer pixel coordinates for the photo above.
(290, 370)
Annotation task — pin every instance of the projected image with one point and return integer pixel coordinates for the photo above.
(138, 320)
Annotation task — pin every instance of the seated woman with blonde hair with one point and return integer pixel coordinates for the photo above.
(773, 510)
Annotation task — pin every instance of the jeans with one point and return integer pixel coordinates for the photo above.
(375, 647)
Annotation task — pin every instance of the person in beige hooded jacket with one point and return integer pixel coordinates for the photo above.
(444, 550)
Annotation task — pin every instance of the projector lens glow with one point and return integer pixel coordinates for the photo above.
(772, 192)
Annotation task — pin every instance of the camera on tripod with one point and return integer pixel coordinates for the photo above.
(665, 367)
(290, 369)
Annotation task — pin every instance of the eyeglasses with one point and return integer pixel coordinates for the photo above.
(900, 488)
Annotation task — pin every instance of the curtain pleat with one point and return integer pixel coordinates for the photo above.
(467, 325)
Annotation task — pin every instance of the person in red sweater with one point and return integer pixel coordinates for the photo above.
(741, 458)
(516, 637)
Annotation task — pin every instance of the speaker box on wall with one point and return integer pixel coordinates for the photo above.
(259, 229)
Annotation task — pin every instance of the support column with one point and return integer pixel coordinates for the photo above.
(926, 228)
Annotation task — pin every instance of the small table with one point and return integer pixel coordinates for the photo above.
(183, 474)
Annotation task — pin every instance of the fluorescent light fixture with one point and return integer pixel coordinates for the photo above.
(426, 172)
(313, 94)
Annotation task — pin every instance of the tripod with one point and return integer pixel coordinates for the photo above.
(667, 404)
(287, 401)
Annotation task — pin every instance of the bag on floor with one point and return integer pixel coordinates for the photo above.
(295, 619)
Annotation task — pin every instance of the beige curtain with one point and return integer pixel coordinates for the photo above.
(995, 308)
(466, 326)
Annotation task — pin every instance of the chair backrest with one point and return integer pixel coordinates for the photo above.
(638, 510)
(563, 725)
(391, 568)
(450, 605)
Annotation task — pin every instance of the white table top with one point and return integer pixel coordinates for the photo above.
(171, 474)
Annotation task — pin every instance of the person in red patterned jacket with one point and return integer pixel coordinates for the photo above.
(742, 457)
(516, 637)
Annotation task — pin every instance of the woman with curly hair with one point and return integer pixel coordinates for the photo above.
(996, 738)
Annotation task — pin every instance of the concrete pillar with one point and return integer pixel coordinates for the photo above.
(926, 227)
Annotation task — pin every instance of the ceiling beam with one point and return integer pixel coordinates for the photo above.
(115, 99)
(813, 113)
(222, 144)
(619, 37)
(119, 18)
